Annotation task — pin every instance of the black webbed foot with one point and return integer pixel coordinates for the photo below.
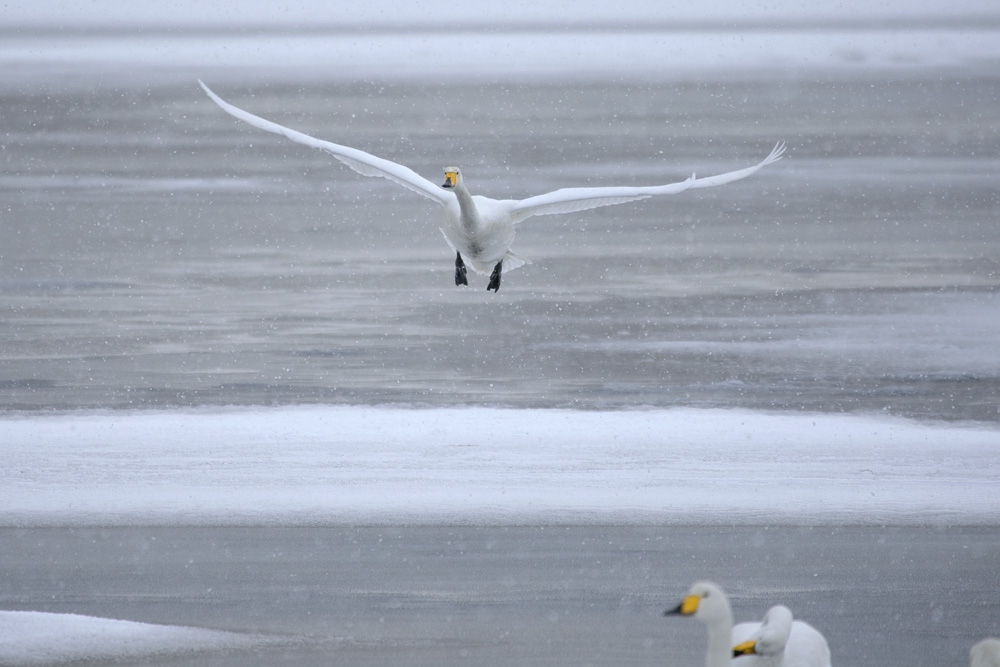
(495, 277)
(460, 278)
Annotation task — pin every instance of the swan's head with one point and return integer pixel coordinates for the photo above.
(771, 637)
(452, 177)
(704, 601)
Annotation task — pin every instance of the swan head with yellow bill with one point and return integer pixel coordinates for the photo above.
(452, 177)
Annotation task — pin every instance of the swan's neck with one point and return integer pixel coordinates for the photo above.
(470, 214)
(720, 642)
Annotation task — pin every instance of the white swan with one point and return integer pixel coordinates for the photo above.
(985, 653)
(706, 602)
(777, 646)
(480, 230)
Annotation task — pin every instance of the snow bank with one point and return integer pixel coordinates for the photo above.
(306, 465)
(35, 638)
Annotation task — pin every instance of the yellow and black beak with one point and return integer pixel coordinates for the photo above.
(450, 178)
(685, 608)
(746, 648)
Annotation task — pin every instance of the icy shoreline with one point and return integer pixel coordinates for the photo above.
(343, 465)
(38, 638)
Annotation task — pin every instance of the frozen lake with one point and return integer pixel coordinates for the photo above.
(239, 392)
(159, 253)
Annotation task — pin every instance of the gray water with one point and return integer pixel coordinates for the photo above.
(158, 253)
(442, 596)
(505, 596)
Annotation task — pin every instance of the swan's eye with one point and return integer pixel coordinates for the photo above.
(705, 595)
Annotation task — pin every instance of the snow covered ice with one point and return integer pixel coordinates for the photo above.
(34, 638)
(329, 465)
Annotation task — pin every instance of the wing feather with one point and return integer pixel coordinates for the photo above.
(729, 177)
(569, 200)
(358, 160)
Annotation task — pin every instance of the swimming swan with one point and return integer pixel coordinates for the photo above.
(480, 230)
(776, 646)
(706, 602)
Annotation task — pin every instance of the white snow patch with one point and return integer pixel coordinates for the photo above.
(328, 465)
(36, 638)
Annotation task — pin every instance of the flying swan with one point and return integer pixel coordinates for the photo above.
(706, 602)
(480, 230)
(776, 646)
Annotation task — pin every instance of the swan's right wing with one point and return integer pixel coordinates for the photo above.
(358, 160)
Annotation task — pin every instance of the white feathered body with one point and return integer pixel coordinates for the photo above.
(781, 641)
(806, 647)
(481, 229)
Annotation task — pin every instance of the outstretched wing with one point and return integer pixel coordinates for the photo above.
(580, 199)
(729, 177)
(360, 161)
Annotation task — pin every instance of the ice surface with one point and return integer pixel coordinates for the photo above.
(500, 55)
(316, 465)
(437, 41)
(37, 638)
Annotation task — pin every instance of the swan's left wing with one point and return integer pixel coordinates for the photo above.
(569, 200)
(729, 177)
(364, 163)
